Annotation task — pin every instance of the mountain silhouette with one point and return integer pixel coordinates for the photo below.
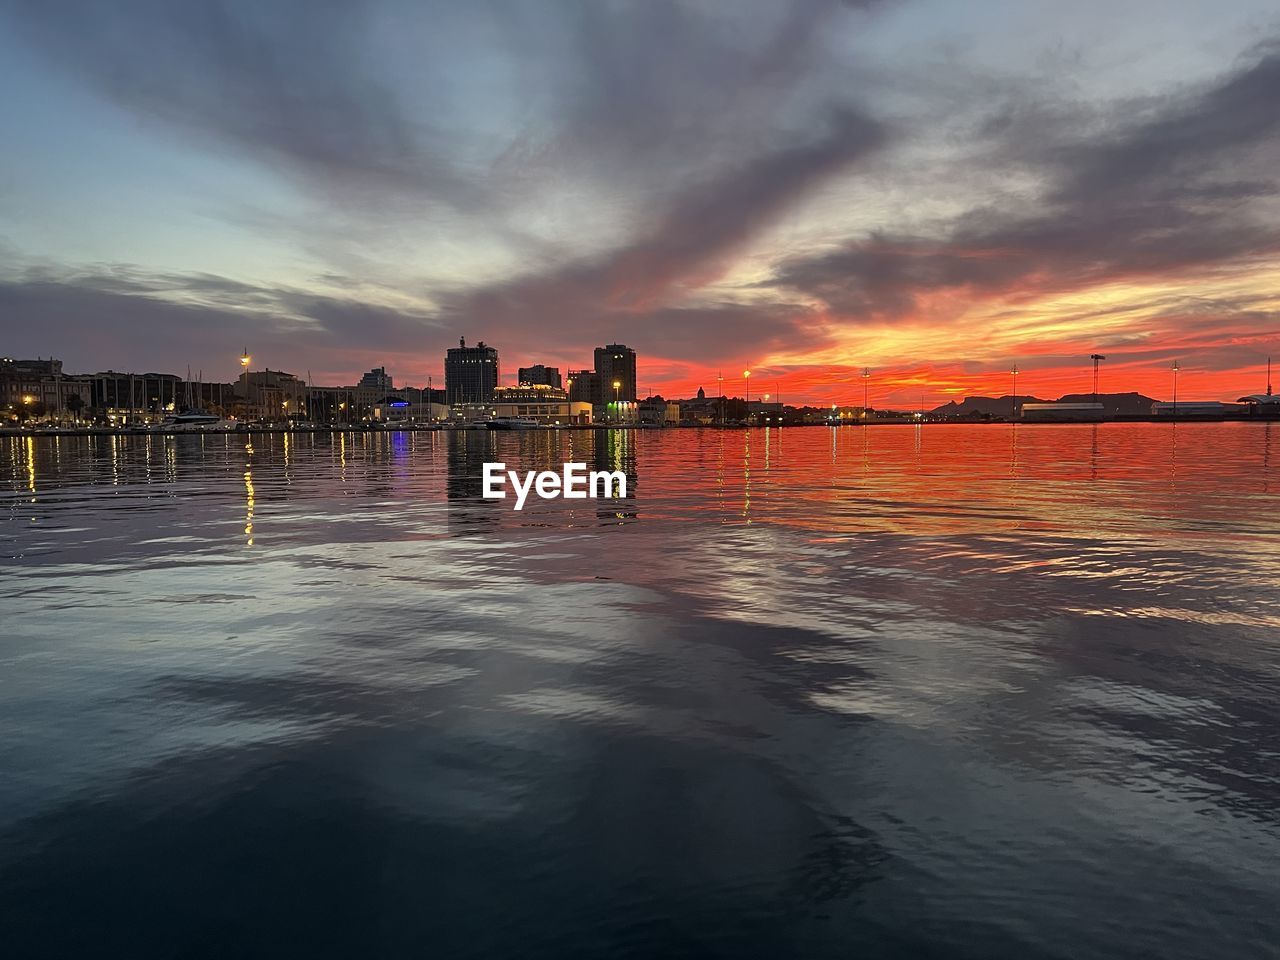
(981, 407)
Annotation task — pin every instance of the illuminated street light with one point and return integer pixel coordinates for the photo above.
(245, 358)
(746, 387)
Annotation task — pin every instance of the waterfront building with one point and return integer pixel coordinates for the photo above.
(1063, 412)
(408, 405)
(701, 409)
(618, 411)
(1205, 409)
(39, 388)
(1262, 404)
(135, 397)
(470, 373)
(376, 379)
(656, 410)
(273, 395)
(540, 374)
(583, 386)
(615, 363)
(529, 392)
(546, 404)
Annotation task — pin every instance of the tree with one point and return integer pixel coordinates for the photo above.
(28, 409)
(75, 403)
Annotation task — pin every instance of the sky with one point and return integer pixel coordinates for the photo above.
(933, 191)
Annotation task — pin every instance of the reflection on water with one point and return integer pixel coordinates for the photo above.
(982, 691)
(248, 494)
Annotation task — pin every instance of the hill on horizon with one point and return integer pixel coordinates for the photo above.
(1113, 403)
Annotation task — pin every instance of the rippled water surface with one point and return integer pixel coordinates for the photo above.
(975, 692)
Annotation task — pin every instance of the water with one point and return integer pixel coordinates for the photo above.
(894, 692)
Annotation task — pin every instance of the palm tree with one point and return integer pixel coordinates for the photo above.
(75, 403)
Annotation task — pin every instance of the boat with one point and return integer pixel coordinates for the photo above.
(194, 421)
(512, 423)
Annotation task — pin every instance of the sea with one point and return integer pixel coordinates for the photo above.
(935, 691)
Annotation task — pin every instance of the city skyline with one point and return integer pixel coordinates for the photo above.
(805, 192)
(854, 391)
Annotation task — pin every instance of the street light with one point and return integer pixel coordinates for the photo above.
(746, 388)
(617, 407)
(866, 379)
(1014, 413)
(1175, 388)
(245, 358)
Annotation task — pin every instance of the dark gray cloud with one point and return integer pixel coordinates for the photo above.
(293, 83)
(1193, 142)
(698, 124)
(686, 246)
(126, 317)
(1173, 189)
(636, 95)
(707, 116)
(656, 91)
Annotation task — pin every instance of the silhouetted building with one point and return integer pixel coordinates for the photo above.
(658, 412)
(1199, 409)
(1262, 404)
(134, 396)
(273, 395)
(539, 374)
(1069, 412)
(584, 386)
(615, 363)
(31, 385)
(376, 379)
(470, 373)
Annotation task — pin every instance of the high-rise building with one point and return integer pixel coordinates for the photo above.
(376, 379)
(540, 375)
(583, 386)
(615, 363)
(470, 373)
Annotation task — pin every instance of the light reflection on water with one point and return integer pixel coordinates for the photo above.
(966, 691)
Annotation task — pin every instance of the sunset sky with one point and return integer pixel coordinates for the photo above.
(934, 190)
